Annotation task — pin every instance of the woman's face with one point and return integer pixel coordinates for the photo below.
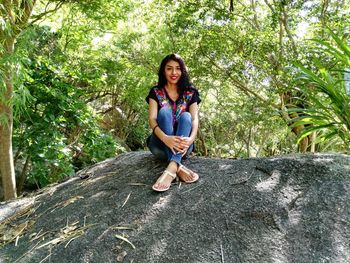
(172, 72)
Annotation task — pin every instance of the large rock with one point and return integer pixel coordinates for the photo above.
(280, 209)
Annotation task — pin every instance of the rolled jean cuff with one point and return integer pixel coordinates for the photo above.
(176, 158)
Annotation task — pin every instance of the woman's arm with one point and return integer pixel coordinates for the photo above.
(195, 122)
(152, 114)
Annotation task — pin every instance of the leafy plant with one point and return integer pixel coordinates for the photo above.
(327, 104)
(58, 132)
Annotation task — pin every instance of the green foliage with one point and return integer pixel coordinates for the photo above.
(58, 131)
(323, 89)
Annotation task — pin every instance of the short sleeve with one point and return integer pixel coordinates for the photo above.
(195, 97)
(151, 95)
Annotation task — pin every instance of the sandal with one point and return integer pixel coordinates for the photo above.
(161, 179)
(184, 172)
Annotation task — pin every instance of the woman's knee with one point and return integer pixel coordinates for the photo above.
(165, 120)
(165, 113)
(185, 117)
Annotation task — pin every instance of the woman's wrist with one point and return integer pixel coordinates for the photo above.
(155, 128)
(163, 137)
(192, 139)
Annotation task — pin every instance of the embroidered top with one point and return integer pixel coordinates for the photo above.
(182, 104)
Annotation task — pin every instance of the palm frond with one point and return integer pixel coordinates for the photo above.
(326, 105)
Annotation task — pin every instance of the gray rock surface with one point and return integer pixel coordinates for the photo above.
(280, 209)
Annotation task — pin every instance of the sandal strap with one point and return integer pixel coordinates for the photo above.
(164, 174)
(173, 175)
(184, 168)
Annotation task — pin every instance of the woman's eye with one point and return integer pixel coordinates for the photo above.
(171, 69)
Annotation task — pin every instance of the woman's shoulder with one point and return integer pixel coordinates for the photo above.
(155, 87)
(156, 92)
(152, 94)
(191, 88)
(192, 93)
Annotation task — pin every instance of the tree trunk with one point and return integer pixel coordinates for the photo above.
(201, 147)
(16, 14)
(312, 145)
(7, 169)
(23, 176)
(6, 161)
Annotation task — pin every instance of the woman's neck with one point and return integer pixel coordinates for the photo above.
(171, 87)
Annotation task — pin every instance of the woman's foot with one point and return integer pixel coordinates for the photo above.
(187, 175)
(164, 181)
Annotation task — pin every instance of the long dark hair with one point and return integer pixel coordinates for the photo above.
(184, 81)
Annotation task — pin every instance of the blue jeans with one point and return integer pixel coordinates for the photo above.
(165, 122)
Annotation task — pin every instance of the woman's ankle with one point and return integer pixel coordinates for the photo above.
(172, 166)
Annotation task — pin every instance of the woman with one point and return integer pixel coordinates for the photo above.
(173, 117)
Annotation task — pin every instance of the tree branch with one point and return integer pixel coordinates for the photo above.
(255, 17)
(286, 27)
(99, 96)
(46, 12)
(239, 14)
(28, 6)
(231, 6)
(324, 8)
(238, 84)
(23, 175)
(9, 12)
(270, 6)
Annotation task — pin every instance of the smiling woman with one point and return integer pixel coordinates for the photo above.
(173, 117)
(172, 72)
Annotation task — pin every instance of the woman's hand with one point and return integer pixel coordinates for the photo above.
(185, 143)
(173, 143)
(178, 144)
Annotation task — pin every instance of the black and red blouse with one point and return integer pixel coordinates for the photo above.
(182, 104)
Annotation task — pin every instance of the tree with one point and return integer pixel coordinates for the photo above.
(15, 16)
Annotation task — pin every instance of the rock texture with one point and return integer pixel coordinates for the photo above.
(280, 209)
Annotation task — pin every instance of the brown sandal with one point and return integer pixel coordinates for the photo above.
(183, 172)
(161, 179)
